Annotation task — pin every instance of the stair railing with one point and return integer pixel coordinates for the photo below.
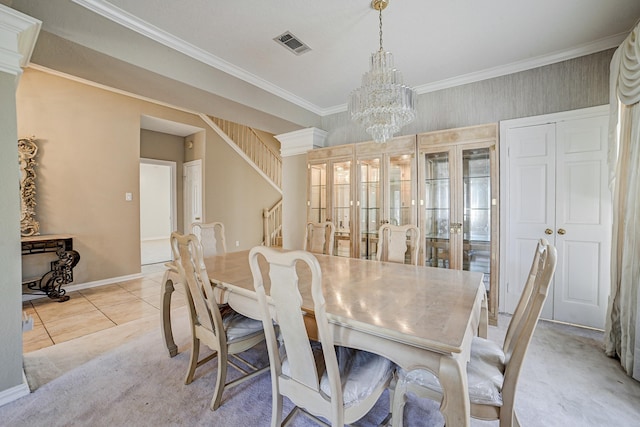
(272, 224)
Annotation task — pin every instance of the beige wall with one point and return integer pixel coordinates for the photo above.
(10, 302)
(89, 141)
(235, 194)
(162, 146)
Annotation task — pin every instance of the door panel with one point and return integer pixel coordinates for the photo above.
(192, 182)
(531, 208)
(584, 218)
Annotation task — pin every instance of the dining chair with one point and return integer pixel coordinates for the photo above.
(227, 333)
(393, 246)
(319, 237)
(338, 384)
(492, 372)
(211, 236)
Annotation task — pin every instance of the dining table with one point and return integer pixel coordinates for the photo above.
(418, 317)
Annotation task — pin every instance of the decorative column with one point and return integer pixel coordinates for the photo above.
(18, 33)
(293, 149)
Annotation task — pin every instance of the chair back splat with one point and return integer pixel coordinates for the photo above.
(398, 243)
(211, 236)
(338, 384)
(319, 237)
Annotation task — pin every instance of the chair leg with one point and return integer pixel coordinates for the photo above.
(516, 423)
(165, 313)
(220, 381)
(399, 400)
(193, 361)
(276, 406)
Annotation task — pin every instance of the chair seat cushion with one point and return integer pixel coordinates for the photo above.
(485, 372)
(238, 326)
(361, 373)
(487, 350)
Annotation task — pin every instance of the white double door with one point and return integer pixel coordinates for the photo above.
(557, 188)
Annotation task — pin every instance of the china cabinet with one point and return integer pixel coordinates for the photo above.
(458, 202)
(331, 193)
(445, 182)
(386, 189)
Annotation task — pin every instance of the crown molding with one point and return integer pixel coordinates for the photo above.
(121, 17)
(528, 64)
(18, 34)
(301, 141)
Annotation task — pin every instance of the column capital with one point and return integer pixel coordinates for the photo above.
(18, 34)
(301, 141)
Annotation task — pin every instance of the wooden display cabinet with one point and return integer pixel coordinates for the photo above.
(331, 193)
(458, 202)
(386, 189)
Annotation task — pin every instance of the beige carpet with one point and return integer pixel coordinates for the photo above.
(566, 381)
(44, 365)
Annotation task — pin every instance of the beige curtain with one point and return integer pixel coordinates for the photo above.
(622, 334)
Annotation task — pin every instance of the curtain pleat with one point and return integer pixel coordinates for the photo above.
(622, 332)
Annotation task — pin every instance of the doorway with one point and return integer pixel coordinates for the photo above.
(158, 210)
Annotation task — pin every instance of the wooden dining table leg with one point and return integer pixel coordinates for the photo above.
(455, 406)
(165, 310)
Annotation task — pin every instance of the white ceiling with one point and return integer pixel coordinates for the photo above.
(435, 44)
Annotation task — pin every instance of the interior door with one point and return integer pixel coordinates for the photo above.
(192, 182)
(558, 190)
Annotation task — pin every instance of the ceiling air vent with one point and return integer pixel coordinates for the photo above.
(292, 43)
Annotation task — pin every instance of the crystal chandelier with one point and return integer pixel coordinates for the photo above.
(383, 104)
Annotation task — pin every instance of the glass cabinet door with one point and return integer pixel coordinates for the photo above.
(476, 222)
(341, 202)
(370, 203)
(437, 209)
(400, 197)
(317, 203)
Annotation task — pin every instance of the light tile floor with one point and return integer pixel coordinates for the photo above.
(95, 309)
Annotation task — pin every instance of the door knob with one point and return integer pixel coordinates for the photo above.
(561, 231)
(548, 231)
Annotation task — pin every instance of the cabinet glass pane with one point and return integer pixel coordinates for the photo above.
(342, 207)
(370, 204)
(476, 225)
(437, 209)
(400, 179)
(318, 193)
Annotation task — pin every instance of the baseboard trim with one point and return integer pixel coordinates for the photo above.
(15, 393)
(87, 285)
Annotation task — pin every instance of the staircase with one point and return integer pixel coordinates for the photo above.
(264, 159)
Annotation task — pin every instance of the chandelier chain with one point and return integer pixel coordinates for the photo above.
(381, 50)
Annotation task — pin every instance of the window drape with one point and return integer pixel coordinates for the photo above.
(622, 330)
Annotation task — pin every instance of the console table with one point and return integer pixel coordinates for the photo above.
(61, 271)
